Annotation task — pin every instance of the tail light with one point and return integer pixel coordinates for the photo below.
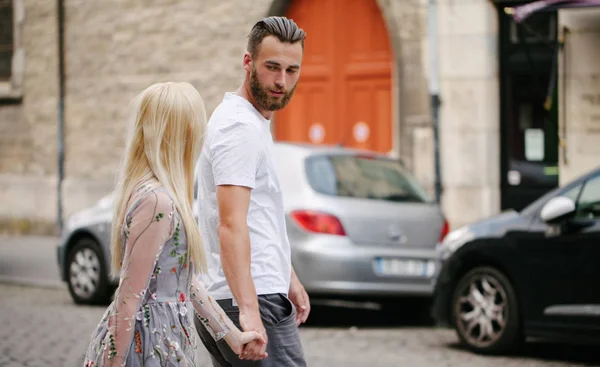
(318, 222)
(444, 231)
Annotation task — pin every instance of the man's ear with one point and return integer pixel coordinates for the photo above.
(247, 62)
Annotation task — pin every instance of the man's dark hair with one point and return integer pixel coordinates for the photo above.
(286, 30)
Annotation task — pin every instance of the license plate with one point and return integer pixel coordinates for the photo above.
(405, 267)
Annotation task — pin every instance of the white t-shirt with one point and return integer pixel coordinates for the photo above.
(238, 151)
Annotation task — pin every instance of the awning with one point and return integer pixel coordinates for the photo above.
(521, 12)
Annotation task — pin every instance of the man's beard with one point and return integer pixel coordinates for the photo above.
(262, 94)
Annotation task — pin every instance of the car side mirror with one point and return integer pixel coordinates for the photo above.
(557, 209)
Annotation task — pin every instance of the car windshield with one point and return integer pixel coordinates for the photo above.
(363, 176)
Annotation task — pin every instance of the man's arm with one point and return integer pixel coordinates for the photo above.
(235, 155)
(234, 242)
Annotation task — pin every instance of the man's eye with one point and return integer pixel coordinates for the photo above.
(270, 67)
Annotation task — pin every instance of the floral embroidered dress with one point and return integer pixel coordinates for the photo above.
(150, 322)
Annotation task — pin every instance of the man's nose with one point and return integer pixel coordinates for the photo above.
(280, 82)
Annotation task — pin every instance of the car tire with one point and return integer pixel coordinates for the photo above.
(485, 312)
(87, 276)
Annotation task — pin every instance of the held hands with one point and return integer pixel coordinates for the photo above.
(255, 347)
(238, 339)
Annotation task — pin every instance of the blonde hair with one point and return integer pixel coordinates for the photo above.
(165, 138)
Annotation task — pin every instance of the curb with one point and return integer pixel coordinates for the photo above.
(38, 283)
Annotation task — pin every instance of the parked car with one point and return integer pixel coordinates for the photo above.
(523, 274)
(359, 226)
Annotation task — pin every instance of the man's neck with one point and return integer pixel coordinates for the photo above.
(244, 92)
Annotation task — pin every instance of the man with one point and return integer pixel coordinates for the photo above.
(240, 206)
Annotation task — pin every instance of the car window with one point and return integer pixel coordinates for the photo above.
(321, 174)
(364, 177)
(588, 205)
(573, 193)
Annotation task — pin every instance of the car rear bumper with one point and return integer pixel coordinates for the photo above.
(331, 265)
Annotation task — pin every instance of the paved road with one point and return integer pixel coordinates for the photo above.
(40, 326)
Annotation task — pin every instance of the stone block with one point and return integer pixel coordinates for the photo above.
(468, 56)
(582, 49)
(470, 105)
(461, 18)
(423, 159)
(470, 159)
(27, 197)
(463, 205)
(14, 140)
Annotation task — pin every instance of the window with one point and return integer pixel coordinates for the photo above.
(12, 53)
(6, 39)
(588, 205)
(363, 177)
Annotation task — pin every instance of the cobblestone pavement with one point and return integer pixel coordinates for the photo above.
(42, 327)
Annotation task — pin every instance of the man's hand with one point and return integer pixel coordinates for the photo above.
(256, 349)
(299, 298)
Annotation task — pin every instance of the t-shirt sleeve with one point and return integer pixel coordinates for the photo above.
(236, 154)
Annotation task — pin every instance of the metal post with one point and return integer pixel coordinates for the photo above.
(434, 92)
(61, 113)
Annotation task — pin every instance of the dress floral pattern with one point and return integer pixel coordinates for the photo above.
(150, 322)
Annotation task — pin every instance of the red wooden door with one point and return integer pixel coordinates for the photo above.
(344, 93)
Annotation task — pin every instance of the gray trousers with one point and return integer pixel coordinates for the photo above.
(284, 346)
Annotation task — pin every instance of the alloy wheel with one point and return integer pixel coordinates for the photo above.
(84, 273)
(481, 310)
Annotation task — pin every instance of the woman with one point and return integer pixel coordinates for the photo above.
(156, 245)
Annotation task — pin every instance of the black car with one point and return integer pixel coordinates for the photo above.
(534, 273)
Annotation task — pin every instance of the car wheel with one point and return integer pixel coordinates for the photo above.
(87, 275)
(485, 311)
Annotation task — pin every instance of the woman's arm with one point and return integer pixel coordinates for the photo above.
(148, 228)
(209, 312)
(217, 323)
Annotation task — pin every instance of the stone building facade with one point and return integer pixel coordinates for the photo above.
(477, 142)
(113, 49)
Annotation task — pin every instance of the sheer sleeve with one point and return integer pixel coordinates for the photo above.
(209, 312)
(148, 227)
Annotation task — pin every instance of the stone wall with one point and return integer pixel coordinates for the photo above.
(580, 83)
(407, 25)
(117, 48)
(28, 128)
(469, 131)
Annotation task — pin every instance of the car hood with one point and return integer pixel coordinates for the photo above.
(498, 225)
(100, 213)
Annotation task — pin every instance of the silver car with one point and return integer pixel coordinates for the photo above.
(360, 227)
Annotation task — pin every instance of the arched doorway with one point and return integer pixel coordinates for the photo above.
(345, 89)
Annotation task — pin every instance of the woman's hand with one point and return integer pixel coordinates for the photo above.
(237, 340)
